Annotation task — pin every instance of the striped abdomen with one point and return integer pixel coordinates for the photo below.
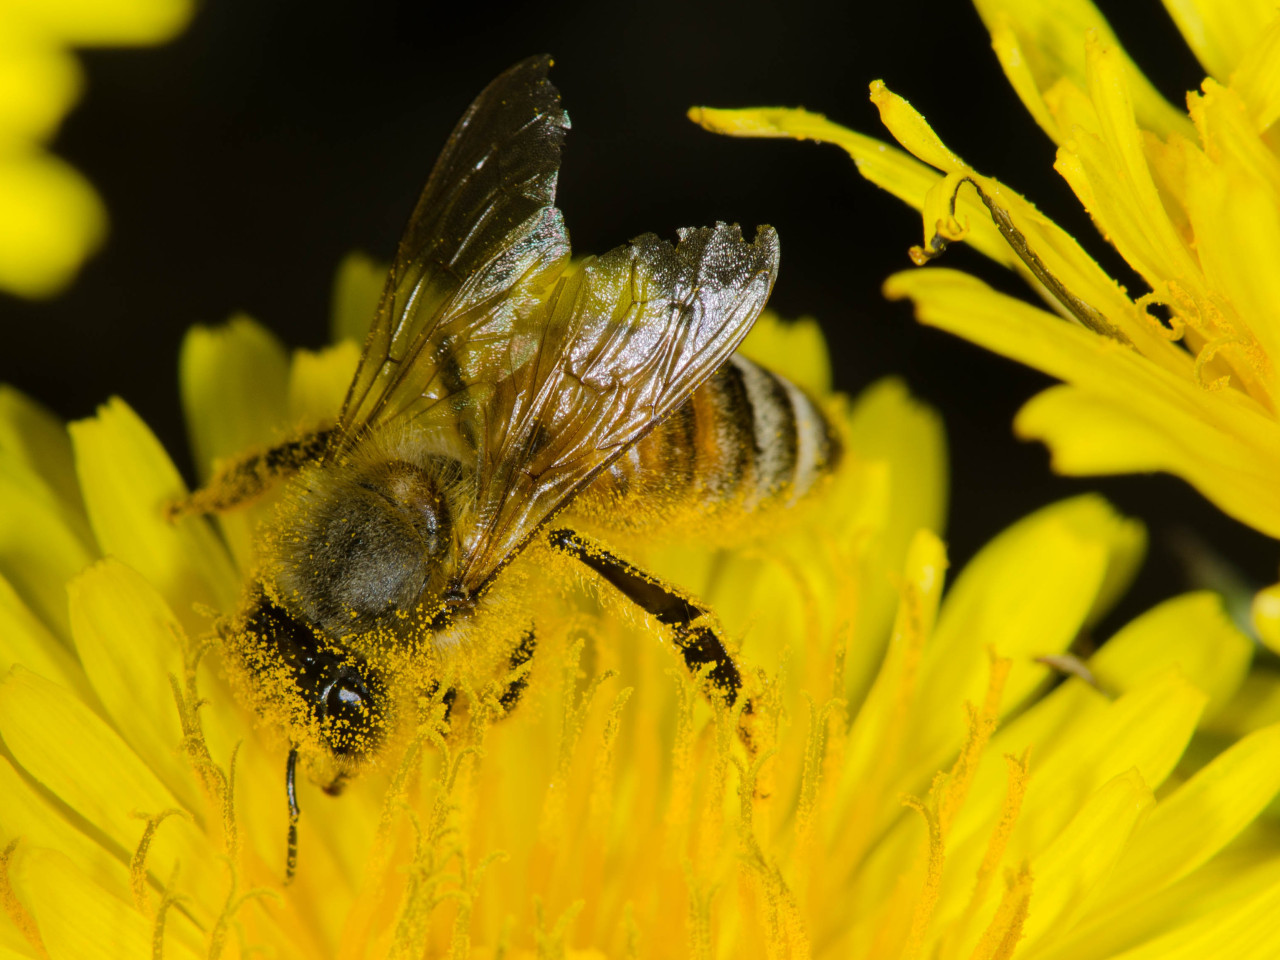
(745, 439)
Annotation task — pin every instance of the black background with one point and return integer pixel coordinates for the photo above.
(240, 162)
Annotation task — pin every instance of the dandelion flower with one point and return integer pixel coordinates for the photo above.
(1183, 378)
(50, 217)
(918, 791)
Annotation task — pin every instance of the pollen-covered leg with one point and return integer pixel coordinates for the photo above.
(251, 475)
(291, 792)
(446, 701)
(701, 647)
(519, 661)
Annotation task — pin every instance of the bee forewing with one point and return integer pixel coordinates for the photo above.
(625, 341)
(483, 241)
(539, 394)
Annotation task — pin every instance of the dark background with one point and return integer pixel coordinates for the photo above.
(240, 162)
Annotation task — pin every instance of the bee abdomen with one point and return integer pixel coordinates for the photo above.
(746, 439)
(791, 443)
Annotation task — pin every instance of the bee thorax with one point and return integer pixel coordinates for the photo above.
(366, 547)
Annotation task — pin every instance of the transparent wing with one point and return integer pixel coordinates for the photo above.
(484, 241)
(623, 341)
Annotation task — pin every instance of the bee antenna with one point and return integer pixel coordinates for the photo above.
(291, 791)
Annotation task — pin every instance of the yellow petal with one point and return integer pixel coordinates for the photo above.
(52, 221)
(1079, 282)
(1120, 192)
(1191, 632)
(234, 385)
(1220, 441)
(1245, 929)
(1255, 705)
(884, 165)
(129, 643)
(878, 720)
(1147, 729)
(94, 23)
(1046, 727)
(1126, 540)
(912, 130)
(19, 950)
(233, 394)
(889, 426)
(1233, 214)
(794, 348)
(1232, 150)
(39, 441)
(1025, 595)
(27, 641)
(1020, 69)
(127, 479)
(1050, 39)
(915, 184)
(1232, 877)
(1200, 818)
(335, 837)
(1092, 434)
(1113, 545)
(1070, 875)
(356, 288)
(75, 755)
(967, 307)
(79, 920)
(318, 383)
(1221, 34)
(39, 82)
(39, 549)
(1257, 78)
(233, 390)
(30, 817)
(1265, 612)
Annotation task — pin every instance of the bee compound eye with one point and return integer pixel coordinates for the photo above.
(351, 714)
(345, 700)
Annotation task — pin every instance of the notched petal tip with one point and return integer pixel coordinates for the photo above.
(910, 129)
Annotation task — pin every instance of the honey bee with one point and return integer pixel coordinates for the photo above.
(502, 388)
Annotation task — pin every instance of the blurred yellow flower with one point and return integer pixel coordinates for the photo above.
(920, 790)
(1184, 378)
(50, 217)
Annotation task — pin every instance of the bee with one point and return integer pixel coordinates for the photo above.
(504, 392)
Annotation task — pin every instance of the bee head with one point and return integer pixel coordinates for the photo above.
(349, 704)
(326, 691)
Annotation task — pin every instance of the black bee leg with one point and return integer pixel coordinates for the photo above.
(291, 791)
(521, 655)
(698, 642)
(251, 475)
(450, 695)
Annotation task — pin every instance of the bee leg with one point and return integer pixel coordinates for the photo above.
(291, 791)
(520, 656)
(450, 695)
(251, 475)
(696, 639)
